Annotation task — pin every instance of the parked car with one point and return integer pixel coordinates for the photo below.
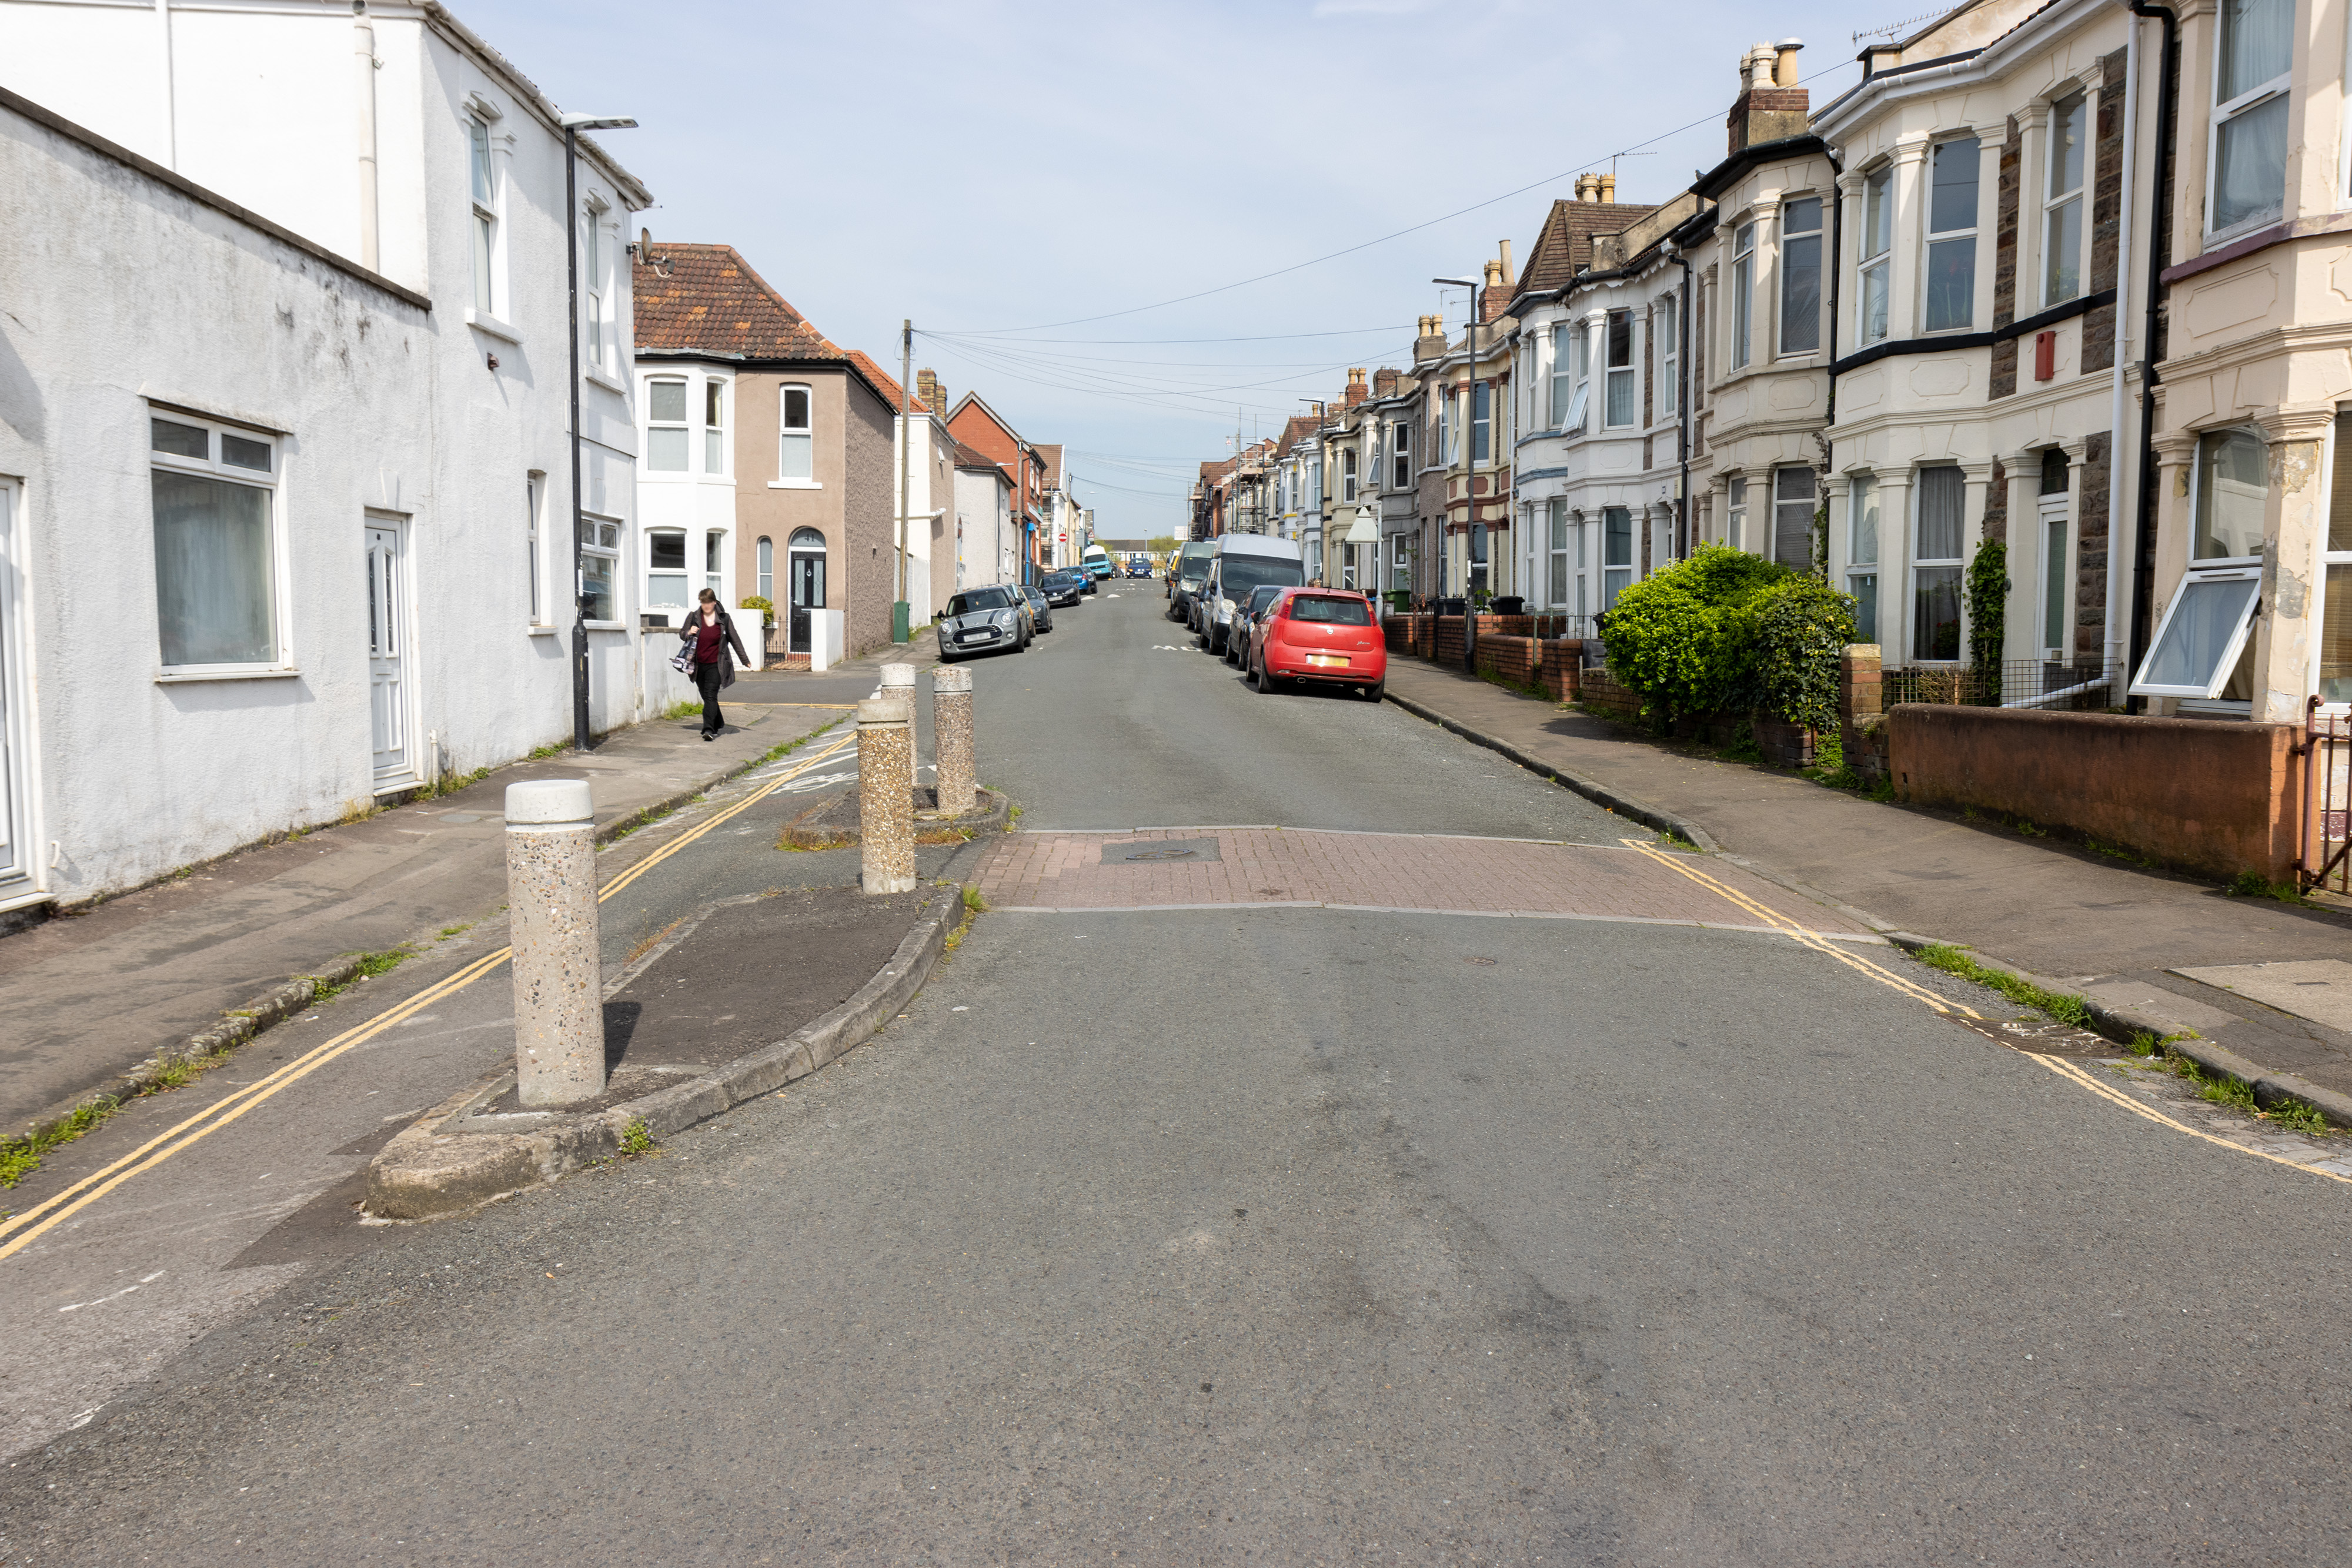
(1242, 562)
(1041, 608)
(1237, 646)
(1186, 573)
(1139, 566)
(1320, 636)
(982, 621)
(1095, 561)
(1063, 586)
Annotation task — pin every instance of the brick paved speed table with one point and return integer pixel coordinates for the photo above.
(1404, 872)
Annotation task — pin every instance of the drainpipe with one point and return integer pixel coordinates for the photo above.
(1837, 249)
(171, 108)
(2143, 539)
(2111, 646)
(363, 60)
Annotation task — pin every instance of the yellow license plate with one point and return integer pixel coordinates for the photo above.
(1327, 661)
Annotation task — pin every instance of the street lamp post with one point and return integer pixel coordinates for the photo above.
(1470, 487)
(573, 125)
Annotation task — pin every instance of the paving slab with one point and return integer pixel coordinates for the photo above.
(2318, 989)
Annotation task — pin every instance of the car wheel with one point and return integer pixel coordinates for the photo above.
(1374, 693)
(1267, 685)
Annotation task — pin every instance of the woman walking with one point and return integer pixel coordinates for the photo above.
(712, 632)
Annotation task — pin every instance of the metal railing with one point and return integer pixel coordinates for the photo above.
(2324, 846)
(2084, 687)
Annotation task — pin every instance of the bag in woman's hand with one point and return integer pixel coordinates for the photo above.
(683, 660)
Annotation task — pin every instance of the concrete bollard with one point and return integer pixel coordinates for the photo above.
(885, 793)
(898, 681)
(951, 739)
(559, 981)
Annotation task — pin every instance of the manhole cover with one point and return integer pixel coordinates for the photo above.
(1151, 852)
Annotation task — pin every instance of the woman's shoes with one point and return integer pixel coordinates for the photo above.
(710, 735)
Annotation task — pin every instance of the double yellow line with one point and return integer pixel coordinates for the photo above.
(1796, 933)
(2108, 1092)
(21, 1229)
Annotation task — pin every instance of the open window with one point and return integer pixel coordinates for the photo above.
(2204, 635)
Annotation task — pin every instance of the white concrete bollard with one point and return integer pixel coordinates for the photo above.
(951, 752)
(898, 681)
(559, 981)
(886, 794)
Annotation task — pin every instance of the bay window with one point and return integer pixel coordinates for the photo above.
(1558, 534)
(2202, 648)
(1622, 403)
(1800, 276)
(1482, 422)
(1563, 372)
(1346, 474)
(214, 491)
(1792, 517)
(1950, 284)
(1935, 566)
(2062, 207)
(1876, 245)
(1616, 553)
(665, 568)
(1401, 454)
(2251, 66)
(1736, 516)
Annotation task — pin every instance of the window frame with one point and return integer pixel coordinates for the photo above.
(1862, 493)
(717, 452)
(682, 425)
(1931, 238)
(714, 561)
(1666, 327)
(1482, 421)
(2228, 112)
(1562, 380)
(2055, 201)
(534, 532)
(482, 193)
(278, 594)
(1877, 187)
(766, 556)
(1616, 576)
(2199, 460)
(1580, 400)
(1811, 501)
(597, 351)
(1616, 378)
(2232, 651)
(656, 537)
(1347, 475)
(1792, 242)
(600, 539)
(806, 433)
(1918, 561)
(1735, 511)
(1557, 576)
(1401, 455)
(1743, 294)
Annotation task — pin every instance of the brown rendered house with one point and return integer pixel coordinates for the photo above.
(789, 423)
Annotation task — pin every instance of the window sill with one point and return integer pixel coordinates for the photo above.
(607, 626)
(483, 321)
(600, 379)
(795, 483)
(539, 631)
(228, 672)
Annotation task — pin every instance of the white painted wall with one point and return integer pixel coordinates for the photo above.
(121, 289)
(987, 547)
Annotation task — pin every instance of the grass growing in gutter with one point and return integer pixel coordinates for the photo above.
(2067, 1009)
(383, 962)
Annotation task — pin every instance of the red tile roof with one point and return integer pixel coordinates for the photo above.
(712, 300)
(892, 392)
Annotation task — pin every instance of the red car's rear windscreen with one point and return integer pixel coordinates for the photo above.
(1330, 610)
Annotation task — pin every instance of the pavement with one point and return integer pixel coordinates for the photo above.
(1274, 1230)
(91, 996)
(2111, 930)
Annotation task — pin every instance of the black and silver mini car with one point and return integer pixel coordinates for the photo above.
(983, 621)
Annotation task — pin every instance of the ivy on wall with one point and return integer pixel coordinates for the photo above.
(1988, 612)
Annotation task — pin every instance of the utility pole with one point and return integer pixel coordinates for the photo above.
(900, 631)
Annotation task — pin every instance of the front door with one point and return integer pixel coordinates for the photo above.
(807, 586)
(387, 599)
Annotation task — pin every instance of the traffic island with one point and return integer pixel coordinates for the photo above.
(693, 1031)
(833, 823)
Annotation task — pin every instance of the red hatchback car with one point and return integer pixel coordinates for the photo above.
(1321, 635)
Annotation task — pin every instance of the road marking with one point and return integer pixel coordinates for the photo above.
(2066, 1070)
(229, 1107)
(2108, 1092)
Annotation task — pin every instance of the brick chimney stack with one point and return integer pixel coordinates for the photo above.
(1357, 390)
(1431, 343)
(1385, 382)
(1770, 106)
(934, 396)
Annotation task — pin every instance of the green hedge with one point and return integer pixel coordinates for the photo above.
(1729, 631)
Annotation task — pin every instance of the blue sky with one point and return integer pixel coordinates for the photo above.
(1018, 179)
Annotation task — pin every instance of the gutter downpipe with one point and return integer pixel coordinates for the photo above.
(1682, 395)
(1837, 270)
(2112, 644)
(363, 57)
(2144, 537)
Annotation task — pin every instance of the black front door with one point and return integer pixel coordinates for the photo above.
(808, 593)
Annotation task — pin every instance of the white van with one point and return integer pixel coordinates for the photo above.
(1240, 563)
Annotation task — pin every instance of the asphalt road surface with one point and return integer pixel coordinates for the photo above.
(1293, 1234)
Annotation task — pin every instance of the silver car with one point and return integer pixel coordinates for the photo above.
(983, 621)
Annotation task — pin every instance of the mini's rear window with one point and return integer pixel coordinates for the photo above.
(1330, 609)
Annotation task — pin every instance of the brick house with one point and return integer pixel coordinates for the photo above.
(799, 432)
(982, 429)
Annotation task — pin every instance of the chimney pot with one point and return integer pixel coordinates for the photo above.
(1784, 61)
(1510, 275)
(1608, 187)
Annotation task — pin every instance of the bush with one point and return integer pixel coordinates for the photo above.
(1726, 631)
(1802, 625)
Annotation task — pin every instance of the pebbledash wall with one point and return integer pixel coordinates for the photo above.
(384, 397)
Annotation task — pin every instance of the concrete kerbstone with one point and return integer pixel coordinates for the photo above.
(427, 1174)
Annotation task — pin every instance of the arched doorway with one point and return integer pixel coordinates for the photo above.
(805, 553)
